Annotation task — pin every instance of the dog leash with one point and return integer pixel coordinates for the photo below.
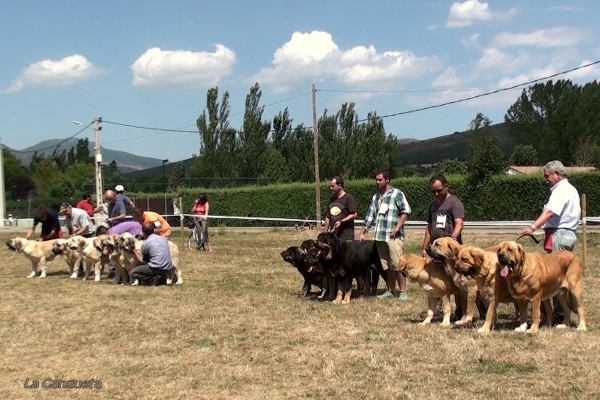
(531, 236)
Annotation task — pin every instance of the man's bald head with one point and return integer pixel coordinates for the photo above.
(148, 229)
(109, 195)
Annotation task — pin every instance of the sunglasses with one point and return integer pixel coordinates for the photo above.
(437, 191)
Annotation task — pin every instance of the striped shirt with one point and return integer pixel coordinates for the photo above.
(384, 212)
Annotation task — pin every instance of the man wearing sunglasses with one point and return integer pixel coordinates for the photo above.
(446, 214)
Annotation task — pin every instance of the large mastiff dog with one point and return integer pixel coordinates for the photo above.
(483, 266)
(445, 251)
(433, 280)
(39, 253)
(533, 278)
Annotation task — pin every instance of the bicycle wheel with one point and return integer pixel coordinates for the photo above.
(201, 240)
(191, 242)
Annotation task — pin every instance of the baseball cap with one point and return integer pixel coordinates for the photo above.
(119, 188)
(63, 208)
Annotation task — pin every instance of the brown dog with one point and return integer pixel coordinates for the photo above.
(445, 251)
(483, 266)
(433, 280)
(533, 278)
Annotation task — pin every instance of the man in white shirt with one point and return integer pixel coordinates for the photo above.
(561, 214)
(78, 221)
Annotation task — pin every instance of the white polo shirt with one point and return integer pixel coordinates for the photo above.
(565, 203)
(79, 219)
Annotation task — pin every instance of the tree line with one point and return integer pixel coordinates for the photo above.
(551, 120)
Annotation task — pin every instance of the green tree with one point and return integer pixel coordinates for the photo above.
(524, 155)
(111, 176)
(176, 178)
(538, 118)
(451, 166)
(253, 138)
(485, 156)
(82, 152)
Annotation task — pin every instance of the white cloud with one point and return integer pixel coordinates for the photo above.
(448, 78)
(158, 67)
(472, 41)
(496, 60)
(315, 56)
(68, 71)
(465, 13)
(553, 37)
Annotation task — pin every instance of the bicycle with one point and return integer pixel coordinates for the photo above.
(197, 238)
(301, 226)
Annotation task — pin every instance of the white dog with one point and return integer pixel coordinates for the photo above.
(39, 253)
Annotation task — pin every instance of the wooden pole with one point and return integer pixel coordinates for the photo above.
(584, 226)
(316, 151)
(181, 223)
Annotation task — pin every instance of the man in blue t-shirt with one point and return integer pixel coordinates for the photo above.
(155, 259)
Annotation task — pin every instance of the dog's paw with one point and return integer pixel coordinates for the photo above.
(445, 324)
(97, 279)
(345, 301)
(179, 281)
(532, 330)
(561, 326)
(582, 328)
(483, 330)
(135, 283)
(521, 328)
(31, 275)
(73, 276)
(43, 275)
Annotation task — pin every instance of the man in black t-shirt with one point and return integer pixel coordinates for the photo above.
(50, 224)
(341, 210)
(446, 214)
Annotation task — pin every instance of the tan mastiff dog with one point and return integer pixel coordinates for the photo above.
(433, 280)
(483, 266)
(38, 252)
(445, 251)
(533, 278)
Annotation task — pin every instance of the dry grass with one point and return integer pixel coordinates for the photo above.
(237, 329)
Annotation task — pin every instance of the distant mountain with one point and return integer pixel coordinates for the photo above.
(455, 145)
(126, 162)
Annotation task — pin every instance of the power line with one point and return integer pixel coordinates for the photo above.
(484, 94)
(396, 91)
(57, 144)
(366, 91)
(278, 102)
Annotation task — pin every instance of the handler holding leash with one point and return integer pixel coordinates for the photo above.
(561, 214)
(155, 259)
(445, 218)
(50, 224)
(389, 210)
(341, 210)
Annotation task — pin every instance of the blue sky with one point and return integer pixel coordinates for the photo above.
(150, 63)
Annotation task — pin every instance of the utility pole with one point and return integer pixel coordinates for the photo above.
(316, 150)
(2, 188)
(98, 163)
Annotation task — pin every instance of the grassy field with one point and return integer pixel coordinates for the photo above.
(237, 328)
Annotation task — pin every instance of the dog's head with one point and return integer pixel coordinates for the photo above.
(470, 260)
(61, 246)
(443, 250)
(307, 245)
(327, 245)
(16, 244)
(109, 244)
(511, 256)
(127, 241)
(291, 255)
(77, 243)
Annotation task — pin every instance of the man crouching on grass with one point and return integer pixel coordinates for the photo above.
(155, 260)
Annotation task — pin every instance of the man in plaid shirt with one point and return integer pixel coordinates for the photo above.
(388, 211)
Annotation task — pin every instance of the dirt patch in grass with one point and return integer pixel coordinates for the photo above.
(237, 328)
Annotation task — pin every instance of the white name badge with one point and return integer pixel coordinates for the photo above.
(440, 221)
(383, 209)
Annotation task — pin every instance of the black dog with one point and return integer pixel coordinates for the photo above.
(346, 261)
(304, 259)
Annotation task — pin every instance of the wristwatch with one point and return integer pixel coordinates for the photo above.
(532, 226)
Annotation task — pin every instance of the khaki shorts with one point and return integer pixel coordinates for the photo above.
(390, 253)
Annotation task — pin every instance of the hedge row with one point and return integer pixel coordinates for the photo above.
(503, 198)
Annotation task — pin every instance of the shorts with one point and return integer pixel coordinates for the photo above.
(390, 253)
